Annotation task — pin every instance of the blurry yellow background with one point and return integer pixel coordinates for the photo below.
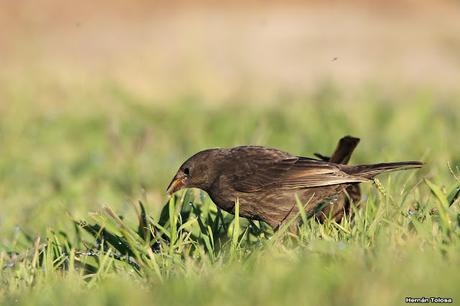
(163, 49)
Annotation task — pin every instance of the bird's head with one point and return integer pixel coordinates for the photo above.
(199, 171)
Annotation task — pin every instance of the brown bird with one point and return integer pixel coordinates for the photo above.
(267, 181)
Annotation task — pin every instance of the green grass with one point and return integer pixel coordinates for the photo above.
(72, 176)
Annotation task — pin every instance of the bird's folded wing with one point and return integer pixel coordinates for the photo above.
(261, 168)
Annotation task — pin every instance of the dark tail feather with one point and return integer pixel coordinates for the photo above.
(370, 171)
(344, 149)
(342, 152)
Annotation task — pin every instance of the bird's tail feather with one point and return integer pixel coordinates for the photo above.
(342, 152)
(344, 149)
(370, 171)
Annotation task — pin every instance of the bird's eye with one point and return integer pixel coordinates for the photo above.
(186, 171)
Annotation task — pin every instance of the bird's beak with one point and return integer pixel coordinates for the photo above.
(176, 184)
